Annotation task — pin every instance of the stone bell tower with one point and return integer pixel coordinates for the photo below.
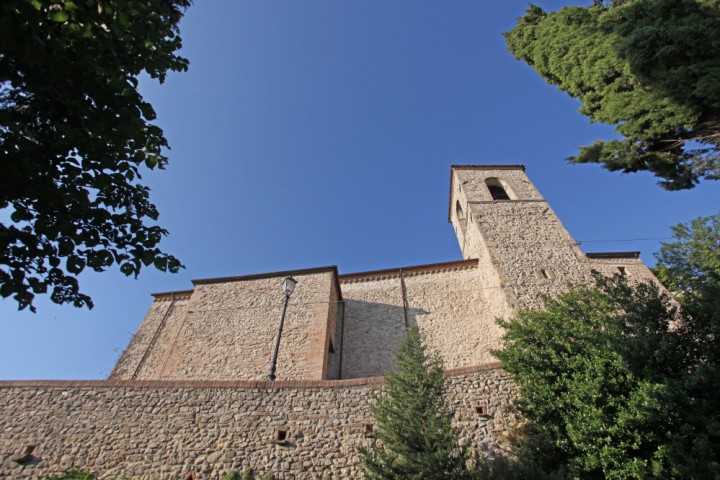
(501, 219)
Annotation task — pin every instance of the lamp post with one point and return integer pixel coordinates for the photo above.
(288, 287)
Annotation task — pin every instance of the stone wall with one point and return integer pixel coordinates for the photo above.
(528, 247)
(226, 329)
(172, 429)
(347, 326)
(534, 253)
(373, 324)
(144, 353)
(628, 264)
(447, 302)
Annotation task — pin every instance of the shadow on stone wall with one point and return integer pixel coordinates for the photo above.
(370, 336)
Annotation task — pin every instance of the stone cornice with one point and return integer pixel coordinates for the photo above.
(185, 294)
(178, 295)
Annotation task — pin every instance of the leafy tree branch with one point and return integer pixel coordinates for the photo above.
(75, 135)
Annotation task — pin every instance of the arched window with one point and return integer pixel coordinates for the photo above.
(498, 189)
(459, 212)
(461, 218)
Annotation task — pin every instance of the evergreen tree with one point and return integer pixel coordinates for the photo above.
(650, 68)
(414, 435)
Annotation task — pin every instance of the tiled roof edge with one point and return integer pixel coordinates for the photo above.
(613, 255)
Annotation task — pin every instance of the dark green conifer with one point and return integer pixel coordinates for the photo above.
(414, 435)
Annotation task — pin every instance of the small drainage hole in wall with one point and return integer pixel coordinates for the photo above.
(281, 436)
(481, 410)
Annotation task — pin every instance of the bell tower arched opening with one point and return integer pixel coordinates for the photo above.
(499, 190)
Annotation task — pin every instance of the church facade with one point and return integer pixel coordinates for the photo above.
(189, 398)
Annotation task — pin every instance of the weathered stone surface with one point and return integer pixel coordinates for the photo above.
(160, 430)
(227, 330)
(187, 398)
(347, 326)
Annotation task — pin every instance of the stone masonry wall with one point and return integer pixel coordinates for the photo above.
(373, 324)
(526, 238)
(449, 303)
(634, 268)
(145, 350)
(528, 247)
(170, 430)
(226, 330)
(451, 309)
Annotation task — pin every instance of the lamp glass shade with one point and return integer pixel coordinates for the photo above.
(289, 285)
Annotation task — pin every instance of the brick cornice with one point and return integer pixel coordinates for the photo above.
(408, 271)
(227, 384)
(177, 295)
(185, 294)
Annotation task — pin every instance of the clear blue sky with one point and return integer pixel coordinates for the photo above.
(310, 133)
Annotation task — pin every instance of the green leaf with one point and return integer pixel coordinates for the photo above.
(647, 68)
(151, 161)
(59, 16)
(161, 263)
(67, 198)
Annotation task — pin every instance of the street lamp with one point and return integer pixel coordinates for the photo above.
(288, 287)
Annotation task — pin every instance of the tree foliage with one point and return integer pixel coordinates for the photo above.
(651, 68)
(690, 265)
(618, 381)
(414, 438)
(74, 137)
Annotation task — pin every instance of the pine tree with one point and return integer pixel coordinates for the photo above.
(414, 436)
(649, 68)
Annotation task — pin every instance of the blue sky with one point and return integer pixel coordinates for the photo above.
(310, 133)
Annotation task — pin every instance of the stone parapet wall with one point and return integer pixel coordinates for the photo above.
(172, 429)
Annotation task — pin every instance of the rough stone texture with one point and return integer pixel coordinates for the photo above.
(526, 238)
(166, 430)
(633, 268)
(521, 240)
(348, 326)
(177, 422)
(448, 303)
(227, 330)
(148, 347)
(373, 323)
